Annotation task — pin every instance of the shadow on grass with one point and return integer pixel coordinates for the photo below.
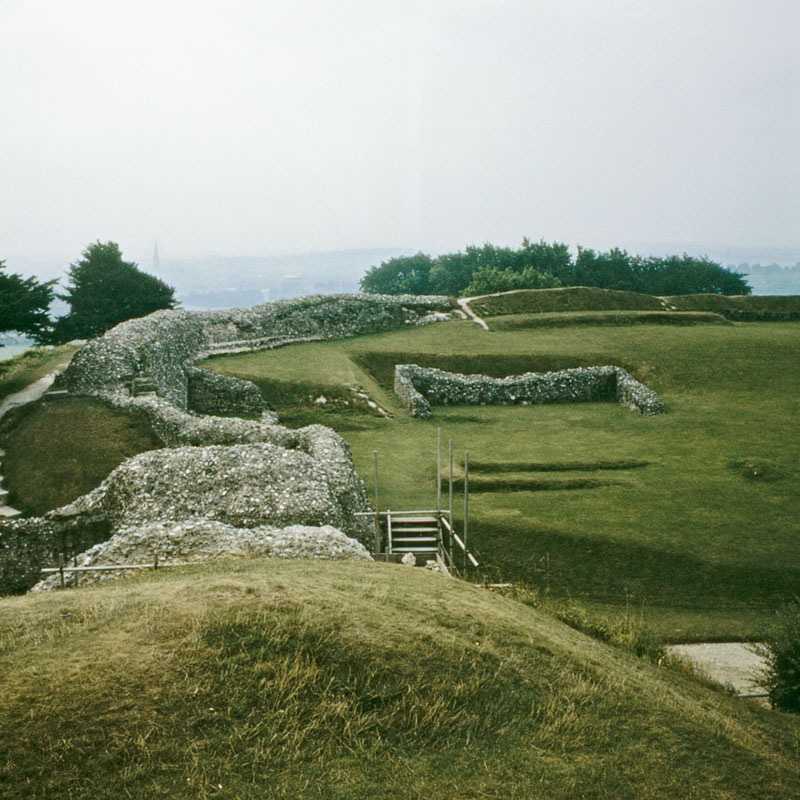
(602, 569)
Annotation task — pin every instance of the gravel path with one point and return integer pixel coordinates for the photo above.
(463, 303)
(732, 663)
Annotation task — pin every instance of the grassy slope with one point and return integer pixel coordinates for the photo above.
(515, 322)
(255, 679)
(715, 302)
(570, 298)
(19, 372)
(58, 450)
(585, 298)
(706, 547)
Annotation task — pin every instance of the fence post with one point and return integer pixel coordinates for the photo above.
(466, 506)
(377, 532)
(450, 501)
(61, 571)
(438, 471)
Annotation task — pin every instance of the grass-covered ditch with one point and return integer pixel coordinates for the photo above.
(58, 450)
(703, 538)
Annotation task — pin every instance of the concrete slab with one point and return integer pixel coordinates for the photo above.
(732, 663)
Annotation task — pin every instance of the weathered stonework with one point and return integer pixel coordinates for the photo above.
(421, 387)
(244, 473)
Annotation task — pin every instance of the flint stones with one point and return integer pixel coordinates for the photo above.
(199, 540)
(241, 485)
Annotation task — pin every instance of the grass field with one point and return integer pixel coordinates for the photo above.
(567, 319)
(57, 450)
(353, 681)
(704, 539)
(570, 298)
(590, 299)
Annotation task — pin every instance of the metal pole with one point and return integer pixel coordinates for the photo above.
(450, 488)
(450, 501)
(377, 509)
(438, 471)
(466, 506)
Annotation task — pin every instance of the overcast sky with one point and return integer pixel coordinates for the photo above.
(247, 127)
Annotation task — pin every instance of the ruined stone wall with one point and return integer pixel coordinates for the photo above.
(245, 473)
(421, 387)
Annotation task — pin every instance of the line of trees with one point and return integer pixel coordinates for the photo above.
(102, 290)
(541, 265)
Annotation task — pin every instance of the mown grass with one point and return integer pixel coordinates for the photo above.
(267, 678)
(17, 373)
(57, 450)
(705, 546)
(517, 322)
(570, 298)
(590, 299)
(721, 303)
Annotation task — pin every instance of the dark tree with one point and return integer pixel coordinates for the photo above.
(104, 290)
(400, 275)
(24, 303)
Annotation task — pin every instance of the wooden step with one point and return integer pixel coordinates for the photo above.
(411, 529)
(400, 520)
(405, 549)
(414, 539)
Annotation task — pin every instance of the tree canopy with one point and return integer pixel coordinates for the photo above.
(104, 290)
(537, 265)
(24, 304)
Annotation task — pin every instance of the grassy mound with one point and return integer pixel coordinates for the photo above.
(570, 298)
(255, 679)
(517, 322)
(57, 450)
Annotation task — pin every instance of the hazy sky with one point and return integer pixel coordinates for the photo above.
(253, 126)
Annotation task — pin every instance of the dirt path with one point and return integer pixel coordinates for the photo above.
(463, 303)
(732, 663)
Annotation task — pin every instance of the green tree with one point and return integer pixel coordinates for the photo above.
(781, 650)
(104, 290)
(24, 304)
(490, 280)
(400, 275)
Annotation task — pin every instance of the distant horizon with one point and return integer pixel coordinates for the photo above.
(46, 267)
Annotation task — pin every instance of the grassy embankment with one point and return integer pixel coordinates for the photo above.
(260, 678)
(57, 450)
(703, 538)
(19, 372)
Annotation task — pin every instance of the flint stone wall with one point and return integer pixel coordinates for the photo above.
(163, 345)
(200, 539)
(241, 473)
(223, 395)
(421, 387)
